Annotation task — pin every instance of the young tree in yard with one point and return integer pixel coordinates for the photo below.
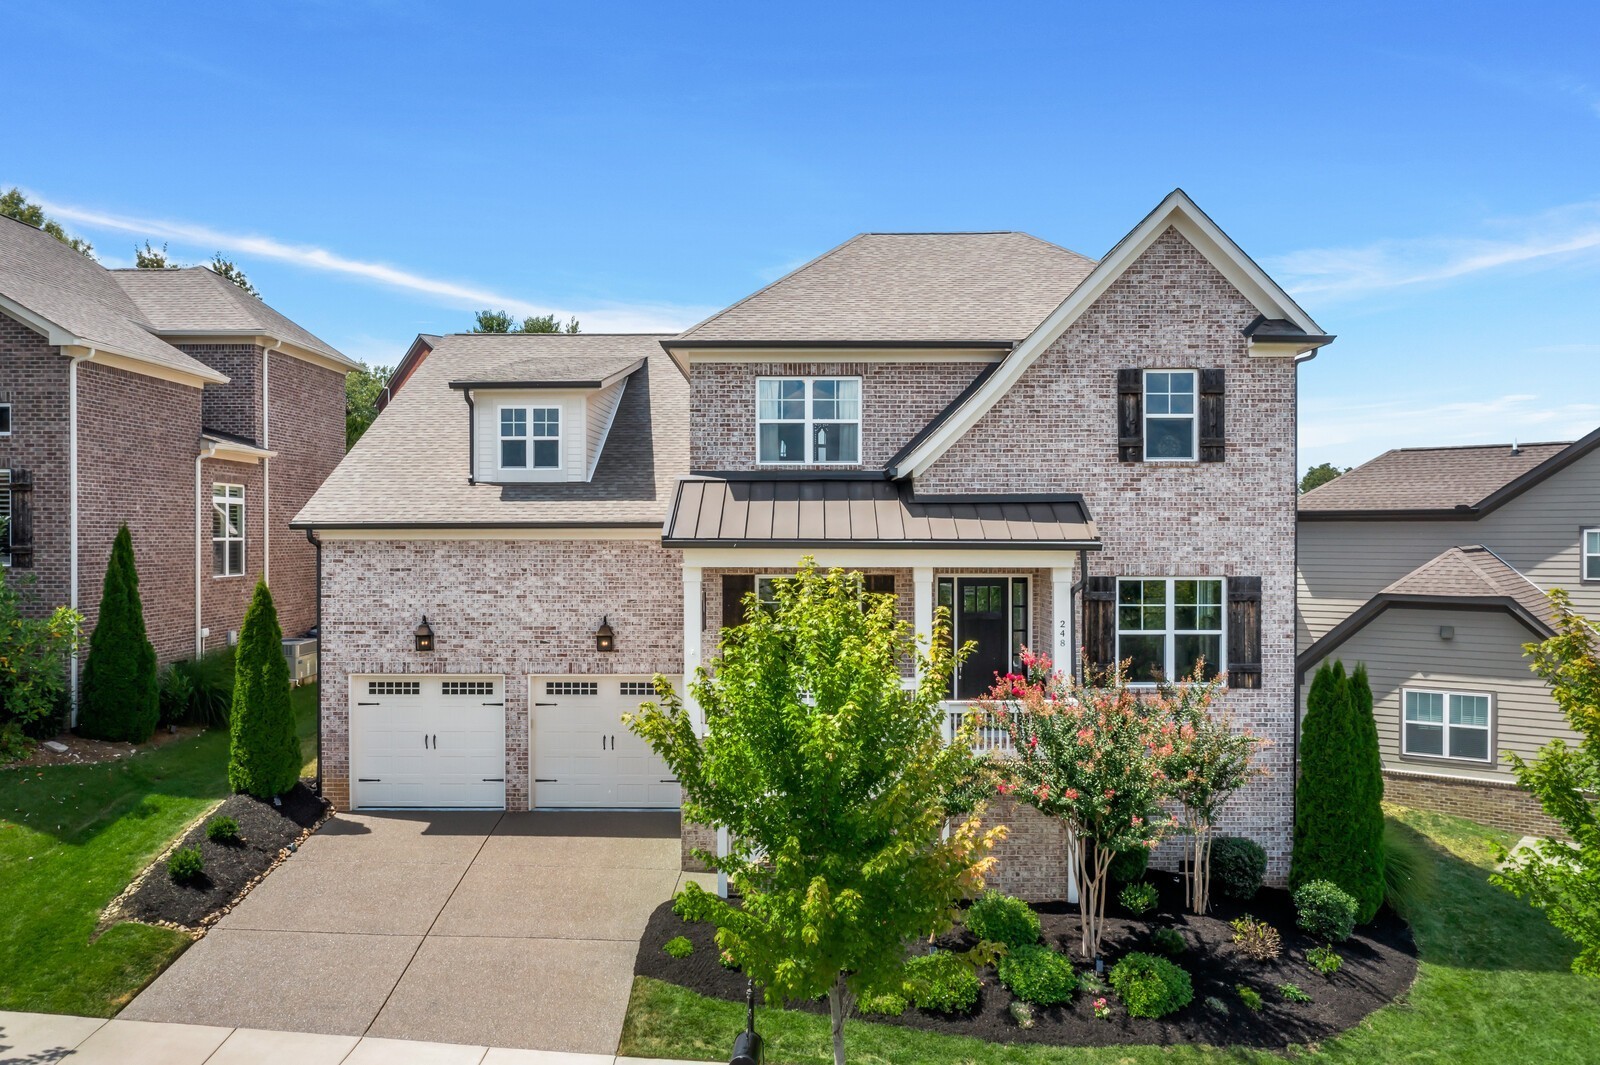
(119, 697)
(361, 391)
(1090, 755)
(264, 755)
(1562, 878)
(33, 675)
(832, 780)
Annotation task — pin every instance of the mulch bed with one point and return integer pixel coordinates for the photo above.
(268, 834)
(1380, 964)
(80, 750)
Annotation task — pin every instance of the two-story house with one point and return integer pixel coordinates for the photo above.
(175, 402)
(1088, 458)
(1431, 565)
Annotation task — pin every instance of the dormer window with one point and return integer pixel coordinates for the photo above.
(530, 438)
(813, 421)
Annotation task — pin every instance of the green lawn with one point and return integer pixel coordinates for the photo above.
(1494, 987)
(71, 838)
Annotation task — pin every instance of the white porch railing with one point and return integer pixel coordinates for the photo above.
(990, 736)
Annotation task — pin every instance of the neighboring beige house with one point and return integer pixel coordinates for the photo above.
(1431, 566)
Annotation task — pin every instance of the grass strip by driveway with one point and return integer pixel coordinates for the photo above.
(1494, 986)
(71, 838)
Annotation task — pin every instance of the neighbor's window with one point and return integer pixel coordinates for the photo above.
(808, 420)
(1447, 725)
(5, 419)
(1591, 554)
(1167, 624)
(1169, 418)
(227, 530)
(530, 438)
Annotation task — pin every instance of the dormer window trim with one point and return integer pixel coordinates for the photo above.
(530, 438)
(825, 417)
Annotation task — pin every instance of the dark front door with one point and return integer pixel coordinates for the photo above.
(982, 618)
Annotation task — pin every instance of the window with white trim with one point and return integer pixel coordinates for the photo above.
(530, 438)
(1167, 624)
(227, 530)
(1441, 724)
(5, 419)
(1170, 426)
(808, 420)
(1591, 555)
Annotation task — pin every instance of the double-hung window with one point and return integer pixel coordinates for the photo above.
(227, 530)
(530, 438)
(1590, 548)
(1446, 725)
(1170, 427)
(1167, 624)
(808, 420)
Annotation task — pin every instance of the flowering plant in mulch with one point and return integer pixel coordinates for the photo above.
(1102, 1009)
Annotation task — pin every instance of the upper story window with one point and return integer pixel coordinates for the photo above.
(1171, 430)
(808, 420)
(1591, 555)
(1446, 725)
(5, 419)
(530, 438)
(1167, 624)
(227, 530)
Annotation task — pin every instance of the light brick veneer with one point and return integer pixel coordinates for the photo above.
(1503, 805)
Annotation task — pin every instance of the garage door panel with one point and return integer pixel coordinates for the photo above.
(584, 756)
(429, 742)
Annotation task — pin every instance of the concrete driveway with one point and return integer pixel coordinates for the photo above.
(512, 930)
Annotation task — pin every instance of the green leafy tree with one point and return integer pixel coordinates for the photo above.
(152, 258)
(361, 391)
(33, 653)
(229, 271)
(1338, 824)
(14, 204)
(501, 322)
(831, 778)
(119, 695)
(1559, 877)
(1319, 475)
(264, 756)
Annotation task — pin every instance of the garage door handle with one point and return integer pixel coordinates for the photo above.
(369, 704)
(674, 780)
(501, 704)
(369, 780)
(543, 704)
(546, 780)
(494, 780)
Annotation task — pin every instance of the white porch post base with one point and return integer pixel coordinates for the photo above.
(922, 607)
(1072, 866)
(722, 852)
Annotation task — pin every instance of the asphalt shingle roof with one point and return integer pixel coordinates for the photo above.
(1473, 572)
(549, 369)
(1428, 478)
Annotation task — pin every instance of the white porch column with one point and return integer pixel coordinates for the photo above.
(922, 605)
(693, 627)
(1062, 650)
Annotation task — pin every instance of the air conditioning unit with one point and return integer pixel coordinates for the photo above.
(301, 651)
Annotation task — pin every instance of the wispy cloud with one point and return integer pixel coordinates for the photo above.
(1555, 237)
(604, 316)
(1353, 432)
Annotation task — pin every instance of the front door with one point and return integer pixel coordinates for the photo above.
(982, 618)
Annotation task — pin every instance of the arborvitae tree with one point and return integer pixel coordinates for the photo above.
(264, 760)
(119, 698)
(1369, 768)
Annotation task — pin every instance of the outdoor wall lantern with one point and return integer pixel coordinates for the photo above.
(604, 638)
(424, 635)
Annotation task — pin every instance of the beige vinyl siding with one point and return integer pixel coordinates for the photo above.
(1402, 648)
(601, 408)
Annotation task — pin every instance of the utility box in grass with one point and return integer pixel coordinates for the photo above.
(301, 651)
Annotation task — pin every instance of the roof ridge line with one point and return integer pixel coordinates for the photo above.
(770, 285)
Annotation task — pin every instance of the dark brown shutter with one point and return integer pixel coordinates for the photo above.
(1130, 415)
(20, 527)
(1100, 621)
(1244, 632)
(880, 583)
(1213, 436)
(735, 586)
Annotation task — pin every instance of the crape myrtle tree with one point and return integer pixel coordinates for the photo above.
(833, 781)
(264, 753)
(119, 697)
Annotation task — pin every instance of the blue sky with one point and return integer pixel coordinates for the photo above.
(1425, 178)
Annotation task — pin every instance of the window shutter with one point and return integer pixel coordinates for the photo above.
(735, 586)
(20, 525)
(1213, 442)
(1244, 632)
(1100, 621)
(880, 583)
(1130, 415)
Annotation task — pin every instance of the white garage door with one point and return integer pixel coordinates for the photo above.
(583, 755)
(427, 741)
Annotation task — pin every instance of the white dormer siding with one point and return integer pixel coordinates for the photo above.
(572, 441)
(601, 410)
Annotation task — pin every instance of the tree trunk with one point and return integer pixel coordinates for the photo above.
(837, 1002)
(1086, 893)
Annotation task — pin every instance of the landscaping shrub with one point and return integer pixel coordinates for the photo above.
(1325, 911)
(1294, 993)
(1093, 983)
(1022, 1013)
(942, 982)
(1324, 960)
(883, 1003)
(1037, 974)
(693, 903)
(1238, 866)
(210, 680)
(728, 961)
(1150, 986)
(1408, 870)
(1249, 996)
(1003, 919)
(173, 695)
(222, 830)
(264, 757)
(33, 656)
(1128, 866)
(1169, 941)
(678, 947)
(118, 694)
(1255, 939)
(1216, 1005)
(1138, 898)
(186, 865)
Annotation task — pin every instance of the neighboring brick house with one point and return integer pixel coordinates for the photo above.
(984, 421)
(196, 414)
(1431, 565)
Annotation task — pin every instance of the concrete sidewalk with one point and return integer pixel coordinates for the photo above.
(45, 1039)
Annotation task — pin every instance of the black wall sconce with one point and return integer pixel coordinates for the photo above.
(604, 638)
(424, 635)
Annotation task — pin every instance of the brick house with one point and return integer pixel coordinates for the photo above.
(1071, 455)
(173, 401)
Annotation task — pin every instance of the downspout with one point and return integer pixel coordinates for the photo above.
(72, 508)
(472, 438)
(199, 550)
(311, 535)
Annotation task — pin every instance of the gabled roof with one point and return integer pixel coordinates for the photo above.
(1293, 332)
(594, 367)
(906, 289)
(1441, 482)
(420, 349)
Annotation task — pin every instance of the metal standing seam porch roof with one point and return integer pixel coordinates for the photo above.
(782, 512)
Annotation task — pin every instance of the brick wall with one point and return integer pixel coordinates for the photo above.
(1501, 805)
(236, 406)
(224, 599)
(33, 379)
(306, 406)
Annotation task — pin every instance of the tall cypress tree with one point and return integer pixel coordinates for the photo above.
(119, 697)
(1367, 818)
(264, 757)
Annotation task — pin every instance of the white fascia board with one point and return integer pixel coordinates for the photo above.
(340, 363)
(824, 353)
(1177, 211)
(486, 532)
(98, 351)
(998, 560)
